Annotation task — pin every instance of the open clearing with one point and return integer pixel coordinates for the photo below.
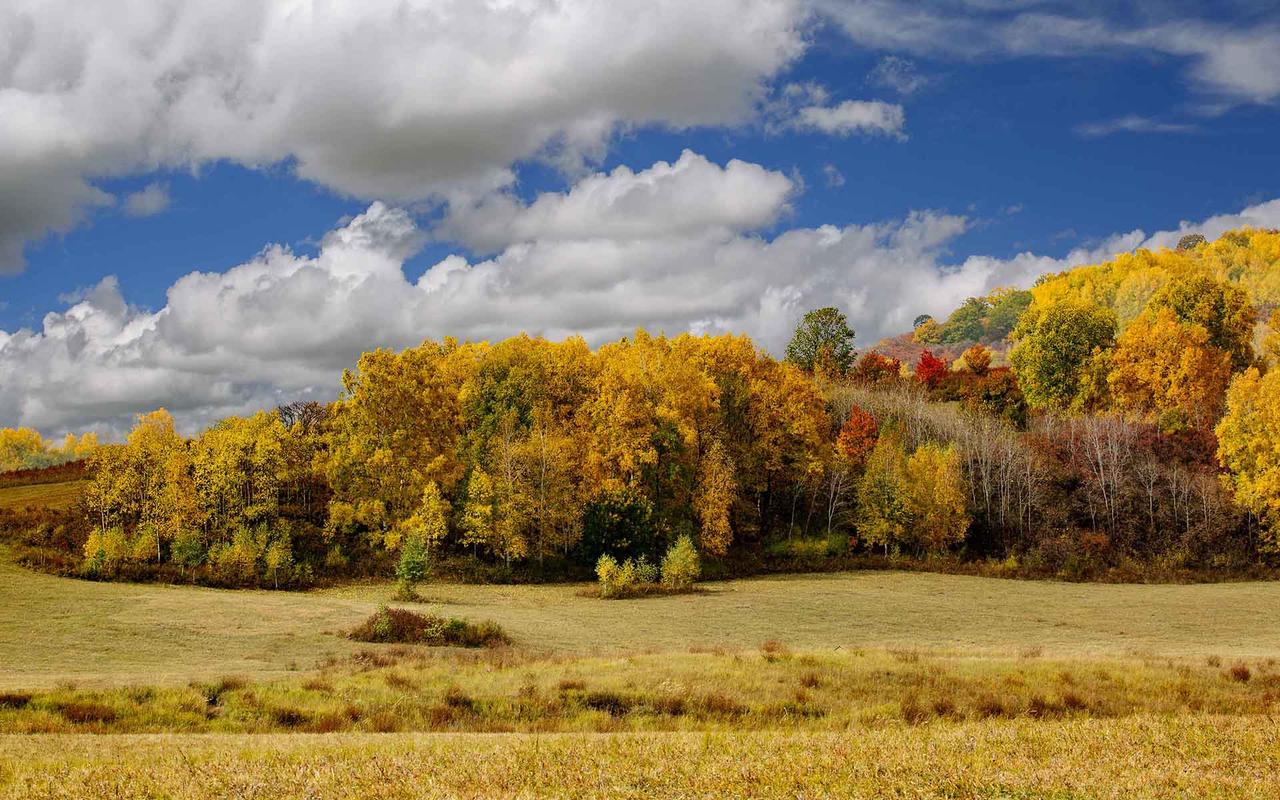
(44, 495)
(998, 689)
(54, 629)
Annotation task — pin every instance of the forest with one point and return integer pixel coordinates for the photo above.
(1115, 420)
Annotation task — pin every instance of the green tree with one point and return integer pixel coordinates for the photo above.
(823, 335)
(967, 323)
(1053, 349)
(414, 564)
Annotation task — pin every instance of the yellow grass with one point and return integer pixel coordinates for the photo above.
(1161, 757)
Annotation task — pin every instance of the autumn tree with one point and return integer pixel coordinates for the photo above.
(977, 360)
(714, 500)
(1221, 309)
(935, 498)
(883, 511)
(930, 370)
(823, 334)
(1170, 369)
(857, 437)
(1054, 347)
(1249, 447)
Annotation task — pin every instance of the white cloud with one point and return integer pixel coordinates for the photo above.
(687, 196)
(1238, 64)
(1133, 123)
(899, 74)
(147, 201)
(282, 326)
(835, 178)
(874, 117)
(393, 99)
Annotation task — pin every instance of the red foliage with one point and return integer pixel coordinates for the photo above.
(858, 436)
(874, 368)
(930, 369)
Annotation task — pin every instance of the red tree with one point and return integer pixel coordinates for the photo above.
(930, 370)
(858, 437)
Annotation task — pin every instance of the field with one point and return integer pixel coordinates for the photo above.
(49, 495)
(860, 684)
(112, 633)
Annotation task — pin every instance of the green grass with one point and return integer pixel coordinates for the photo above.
(1161, 757)
(55, 629)
(42, 495)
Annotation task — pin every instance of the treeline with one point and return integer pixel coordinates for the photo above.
(1134, 431)
(26, 449)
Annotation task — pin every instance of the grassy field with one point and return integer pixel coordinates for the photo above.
(1138, 757)
(55, 629)
(872, 684)
(44, 495)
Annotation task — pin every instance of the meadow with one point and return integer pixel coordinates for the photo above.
(859, 684)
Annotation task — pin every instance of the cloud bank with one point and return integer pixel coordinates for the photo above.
(674, 247)
(397, 100)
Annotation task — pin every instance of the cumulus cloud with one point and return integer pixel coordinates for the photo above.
(854, 116)
(147, 201)
(282, 325)
(397, 100)
(678, 198)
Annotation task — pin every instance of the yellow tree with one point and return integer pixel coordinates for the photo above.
(1249, 447)
(935, 498)
(1168, 368)
(713, 502)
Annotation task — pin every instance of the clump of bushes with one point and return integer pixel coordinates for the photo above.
(681, 567)
(398, 625)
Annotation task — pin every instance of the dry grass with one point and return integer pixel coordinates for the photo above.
(56, 629)
(419, 689)
(45, 495)
(1139, 757)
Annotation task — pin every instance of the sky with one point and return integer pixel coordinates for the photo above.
(215, 208)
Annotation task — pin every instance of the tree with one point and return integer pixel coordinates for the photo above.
(927, 332)
(429, 523)
(823, 334)
(930, 370)
(877, 370)
(883, 513)
(1249, 447)
(714, 500)
(681, 566)
(1223, 310)
(935, 498)
(857, 437)
(967, 323)
(1053, 349)
(414, 564)
(976, 359)
(1169, 369)
(477, 522)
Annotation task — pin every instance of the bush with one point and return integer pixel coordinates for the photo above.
(681, 566)
(407, 627)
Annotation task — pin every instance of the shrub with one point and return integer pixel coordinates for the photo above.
(414, 564)
(681, 566)
(627, 579)
(408, 627)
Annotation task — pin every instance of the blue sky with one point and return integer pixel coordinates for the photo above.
(984, 141)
